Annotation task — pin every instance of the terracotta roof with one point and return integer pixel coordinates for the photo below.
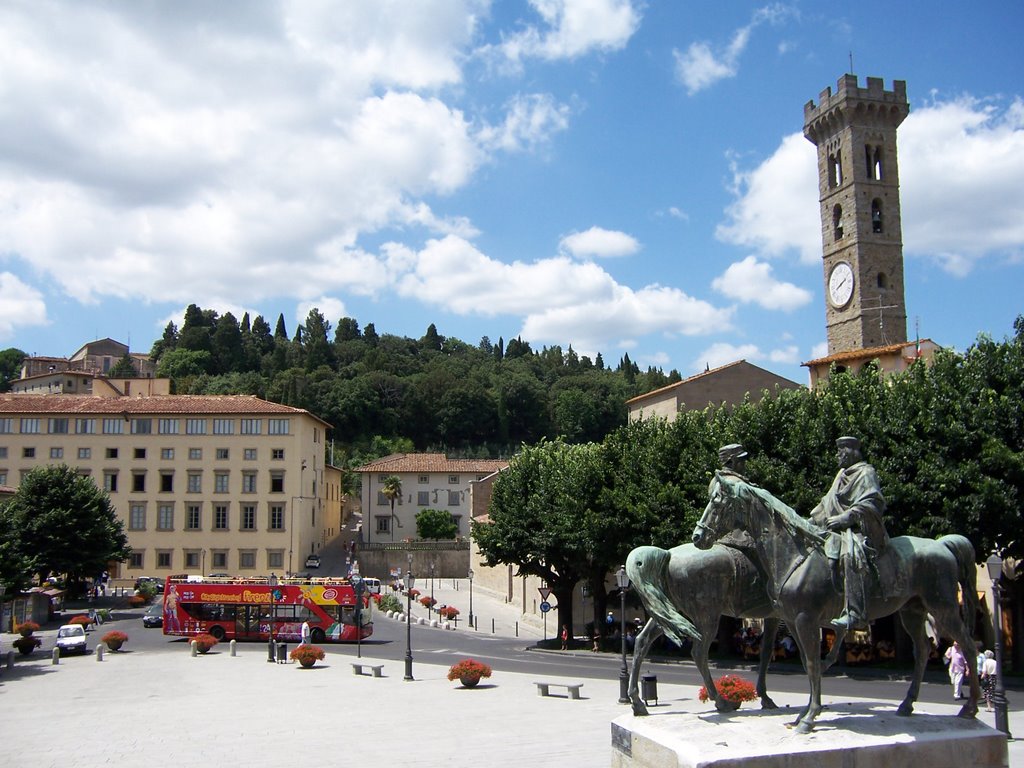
(430, 462)
(152, 405)
(866, 354)
(49, 374)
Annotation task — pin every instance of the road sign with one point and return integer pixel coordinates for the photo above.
(545, 592)
(545, 607)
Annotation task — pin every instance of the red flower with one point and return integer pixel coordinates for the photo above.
(731, 688)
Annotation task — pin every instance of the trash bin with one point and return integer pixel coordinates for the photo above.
(282, 653)
(649, 689)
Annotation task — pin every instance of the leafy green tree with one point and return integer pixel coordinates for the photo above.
(16, 565)
(436, 524)
(10, 366)
(123, 369)
(165, 343)
(319, 351)
(181, 365)
(67, 523)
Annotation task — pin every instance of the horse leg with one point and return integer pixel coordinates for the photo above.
(644, 640)
(914, 619)
(771, 631)
(809, 637)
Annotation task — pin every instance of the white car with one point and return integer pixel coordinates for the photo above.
(313, 561)
(71, 639)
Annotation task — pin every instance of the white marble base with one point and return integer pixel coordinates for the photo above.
(846, 735)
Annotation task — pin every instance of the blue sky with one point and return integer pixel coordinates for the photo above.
(619, 176)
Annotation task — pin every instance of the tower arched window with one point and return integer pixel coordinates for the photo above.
(876, 215)
(883, 280)
(876, 164)
(835, 169)
(837, 222)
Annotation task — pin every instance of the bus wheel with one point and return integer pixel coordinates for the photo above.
(217, 632)
(317, 635)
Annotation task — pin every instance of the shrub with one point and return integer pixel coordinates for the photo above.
(114, 639)
(469, 669)
(26, 628)
(82, 619)
(731, 688)
(146, 589)
(428, 602)
(307, 654)
(204, 642)
(389, 603)
(448, 611)
(137, 601)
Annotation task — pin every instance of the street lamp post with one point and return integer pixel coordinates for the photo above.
(359, 586)
(995, 572)
(430, 610)
(623, 581)
(409, 582)
(471, 597)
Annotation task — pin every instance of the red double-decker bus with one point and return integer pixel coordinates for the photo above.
(260, 608)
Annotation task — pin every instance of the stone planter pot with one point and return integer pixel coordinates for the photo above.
(469, 681)
(115, 645)
(307, 663)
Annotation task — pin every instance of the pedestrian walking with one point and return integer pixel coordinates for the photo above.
(987, 678)
(565, 637)
(958, 669)
(307, 633)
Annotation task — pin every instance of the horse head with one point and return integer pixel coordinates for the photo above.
(720, 514)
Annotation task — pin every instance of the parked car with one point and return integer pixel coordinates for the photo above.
(154, 617)
(313, 561)
(71, 639)
(371, 585)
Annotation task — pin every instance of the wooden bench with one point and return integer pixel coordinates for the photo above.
(573, 689)
(377, 669)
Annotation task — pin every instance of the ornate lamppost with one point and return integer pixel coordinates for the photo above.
(623, 581)
(430, 610)
(359, 586)
(409, 582)
(995, 572)
(471, 598)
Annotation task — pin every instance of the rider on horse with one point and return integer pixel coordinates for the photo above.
(852, 509)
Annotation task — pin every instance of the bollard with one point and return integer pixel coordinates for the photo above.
(270, 651)
(233, 645)
(492, 626)
(55, 660)
(195, 647)
(517, 629)
(10, 659)
(99, 651)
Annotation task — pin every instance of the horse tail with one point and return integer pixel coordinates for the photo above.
(647, 568)
(967, 575)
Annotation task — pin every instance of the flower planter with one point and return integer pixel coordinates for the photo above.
(307, 663)
(115, 645)
(468, 672)
(26, 644)
(469, 681)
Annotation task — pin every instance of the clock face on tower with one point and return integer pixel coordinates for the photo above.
(840, 284)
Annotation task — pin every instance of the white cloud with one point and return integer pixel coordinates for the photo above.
(960, 165)
(572, 28)
(530, 121)
(21, 305)
(599, 243)
(700, 66)
(819, 351)
(752, 281)
(722, 353)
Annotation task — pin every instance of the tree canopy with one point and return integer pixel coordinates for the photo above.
(436, 524)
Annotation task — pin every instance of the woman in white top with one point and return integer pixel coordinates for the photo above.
(987, 678)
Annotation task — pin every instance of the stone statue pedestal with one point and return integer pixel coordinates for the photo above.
(846, 735)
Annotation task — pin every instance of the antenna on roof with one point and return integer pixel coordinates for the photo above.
(851, 62)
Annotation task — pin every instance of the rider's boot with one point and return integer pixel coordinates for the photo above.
(854, 616)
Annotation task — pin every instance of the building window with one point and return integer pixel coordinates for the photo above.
(30, 426)
(457, 519)
(167, 454)
(195, 482)
(195, 426)
(195, 454)
(166, 482)
(248, 482)
(423, 479)
(278, 426)
(139, 453)
(85, 426)
(422, 498)
(191, 559)
(168, 426)
(248, 517)
(277, 454)
(163, 558)
(249, 454)
(223, 426)
(382, 500)
(277, 517)
(139, 481)
(142, 426)
(220, 558)
(275, 559)
(223, 454)
(383, 524)
(136, 560)
(382, 479)
(110, 481)
(453, 479)
(56, 453)
(6, 426)
(277, 481)
(111, 453)
(58, 426)
(137, 517)
(251, 426)
(220, 517)
(246, 559)
(3, 451)
(113, 426)
(193, 517)
(165, 517)
(3, 477)
(876, 216)
(28, 453)
(85, 453)
(454, 498)
(220, 482)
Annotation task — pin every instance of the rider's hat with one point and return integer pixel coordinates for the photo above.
(848, 442)
(733, 451)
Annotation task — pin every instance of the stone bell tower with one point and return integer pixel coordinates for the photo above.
(854, 130)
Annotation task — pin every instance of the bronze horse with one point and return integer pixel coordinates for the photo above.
(685, 592)
(921, 577)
